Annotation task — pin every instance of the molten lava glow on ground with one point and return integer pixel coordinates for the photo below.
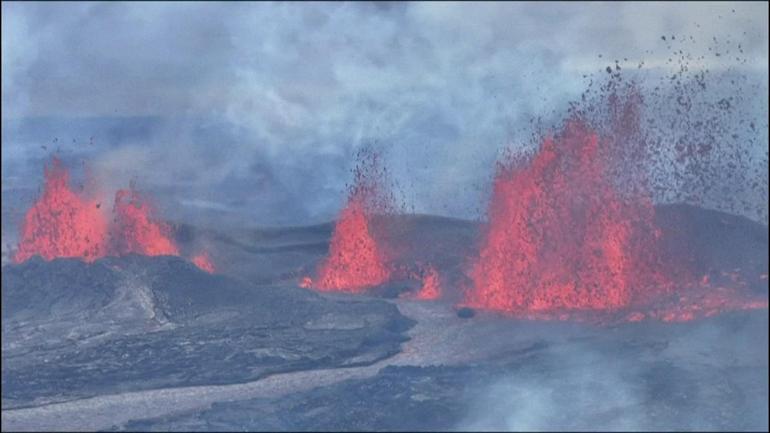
(203, 261)
(355, 261)
(431, 285)
(560, 237)
(700, 300)
(137, 230)
(62, 223)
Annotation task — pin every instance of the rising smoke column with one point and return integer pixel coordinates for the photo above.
(62, 223)
(561, 236)
(356, 260)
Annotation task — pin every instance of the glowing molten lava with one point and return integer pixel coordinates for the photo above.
(560, 237)
(431, 287)
(355, 261)
(62, 223)
(136, 230)
(203, 261)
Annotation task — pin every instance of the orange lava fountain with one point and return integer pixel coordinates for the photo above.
(203, 261)
(560, 237)
(356, 261)
(431, 285)
(136, 230)
(62, 223)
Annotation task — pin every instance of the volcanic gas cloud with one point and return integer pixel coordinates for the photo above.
(63, 223)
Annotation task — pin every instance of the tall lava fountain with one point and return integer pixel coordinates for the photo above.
(62, 223)
(356, 260)
(561, 236)
(137, 230)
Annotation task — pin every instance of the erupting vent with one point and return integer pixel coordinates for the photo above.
(65, 224)
(431, 285)
(356, 261)
(137, 230)
(560, 236)
(203, 261)
(62, 223)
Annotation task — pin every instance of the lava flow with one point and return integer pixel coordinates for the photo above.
(356, 261)
(62, 223)
(136, 230)
(561, 237)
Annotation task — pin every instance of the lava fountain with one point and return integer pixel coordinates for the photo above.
(203, 262)
(62, 223)
(137, 230)
(430, 289)
(356, 260)
(561, 237)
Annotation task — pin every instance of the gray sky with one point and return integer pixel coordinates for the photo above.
(288, 91)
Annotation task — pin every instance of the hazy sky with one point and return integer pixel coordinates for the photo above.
(288, 91)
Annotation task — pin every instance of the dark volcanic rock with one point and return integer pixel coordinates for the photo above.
(639, 379)
(712, 241)
(393, 289)
(37, 289)
(465, 313)
(72, 329)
